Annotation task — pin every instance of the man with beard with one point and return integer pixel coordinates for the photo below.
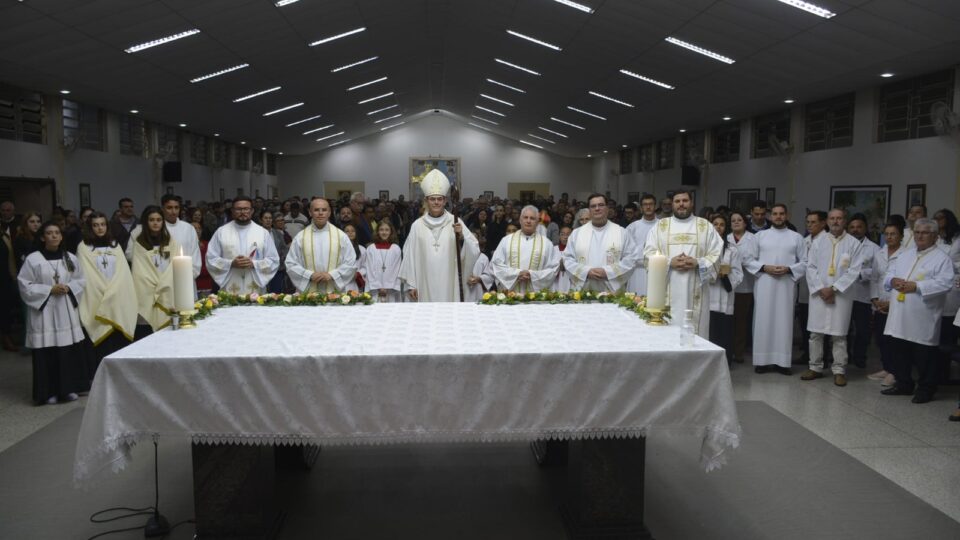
(639, 230)
(241, 256)
(600, 255)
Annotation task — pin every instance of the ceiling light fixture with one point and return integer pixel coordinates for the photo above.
(304, 120)
(567, 123)
(260, 93)
(533, 40)
(788, 101)
(646, 79)
(352, 88)
(541, 138)
(682, 130)
(338, 36)
(485, 120)
(531, 144)
(161, 41)
(581, 111)
(216, 134)
(700, 50)
(388, 118)
(338, 142)
(183, 124)
(574, 5)
(64, 91)
(280, 153)
(331, 136)
(134, 111)
(282, 3)
(491, 111)
(218, 73)
(810, 8)
(608, 98)
(589, 155)
(514, 66)
(381, 96)
(243, 142)
(280, 110)
(381, 110)
(557, 133)
(392, 126)
(491, 98)
(478, 126)
(514, 88)
(263, 148)
(886, 75)
(348, 66)
(726, 118)
(328, 126)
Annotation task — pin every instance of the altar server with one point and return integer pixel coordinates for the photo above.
(600, 254)
(639, 230)
(481, 277)
(181, 231)
(151, 270)
(322, 257)
(525, 261)
(382, 264)
(241, 256)
(562, 282)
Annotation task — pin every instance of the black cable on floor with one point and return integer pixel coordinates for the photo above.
(131, 512)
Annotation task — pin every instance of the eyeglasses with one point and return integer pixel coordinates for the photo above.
(596, 206)
(247, 209)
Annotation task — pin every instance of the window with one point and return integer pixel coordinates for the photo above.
(648, 157)
(219, 154)
(769, 130)
(272, 164)
(22, 116)
(693, 146)
(726, 143)
(241, 158)
(665, 158)
(82, 126)
(168, 143)
(626, 161)
(904, 107)
(257, 165)
(829, 124)
(198, 149)
(133, 136)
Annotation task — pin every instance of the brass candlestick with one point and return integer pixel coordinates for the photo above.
(186, 319)
(656, 317)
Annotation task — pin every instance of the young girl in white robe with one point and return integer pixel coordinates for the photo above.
(361, 253)
(480, 278)
(153, 252)
(381, 265)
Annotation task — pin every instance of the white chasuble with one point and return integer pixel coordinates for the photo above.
(153, 282)
(607, 247)
(322, 250)
(639, 230)
(109, 300)
(915, 316)
(185, 236)
(775, 295)
(689, 289)
(232, 240)
(518, 252)
(430, 259)
(832, 262)
(52, 320)
(381, 270)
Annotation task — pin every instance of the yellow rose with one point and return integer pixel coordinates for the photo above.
(261, 300)
(486, 296)
(208, 304)
(576, 296)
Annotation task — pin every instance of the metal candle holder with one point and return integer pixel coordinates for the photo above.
(186, 319)
(656, 317)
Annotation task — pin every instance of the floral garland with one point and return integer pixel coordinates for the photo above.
(206, 306)
(629, 301)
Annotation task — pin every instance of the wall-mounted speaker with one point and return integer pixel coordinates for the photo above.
(690, 175)
(172, 171)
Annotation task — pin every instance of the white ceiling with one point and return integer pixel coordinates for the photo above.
(437, 54)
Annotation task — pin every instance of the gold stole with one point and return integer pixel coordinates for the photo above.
(154, 288)
(106, 307)
(536, 255)
(333, 255)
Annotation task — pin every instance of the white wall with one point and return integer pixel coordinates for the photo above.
(488, 162)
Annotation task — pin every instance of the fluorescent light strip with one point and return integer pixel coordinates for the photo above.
(388, 118)
(568, 3)
(541, 138)
(331, 136)
(491, 98)
(567, 123)
(260, 93)
(338, 142)
(381, 96)
(515, 89)
(348, 66)
(161, 41)
(371, 113)
(392, 126)
(491, 111)
(479, 126)
(531, 144)
(352, 88)
(287, 108)
(218, 73)
(485, 120)
(533, 40)
(608, 98)
(810, 8)
(700, 50)
(304, 120)
(338, 36)
(282, 3)
(328, 126)
(552, 131)
(646, 79)
(514, 66)
(581, 111)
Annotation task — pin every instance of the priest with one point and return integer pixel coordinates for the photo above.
(525, 261)
(833, 266)
(599, 255)
(779, 266)
(180, 231)
(241, 256)
(321, 256)
(692, 246)
(429, 269)
(639, 230)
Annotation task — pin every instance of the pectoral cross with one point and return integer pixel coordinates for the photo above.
(103, 261)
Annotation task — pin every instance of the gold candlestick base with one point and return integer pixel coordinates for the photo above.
(656, 317)
(186, 319)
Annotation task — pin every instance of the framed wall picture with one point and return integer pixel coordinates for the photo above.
(488, 195)
(85, 195)
(871, 201)
(420, 166)
(384, 195)
(770, 196)
(916, 196)
(742, 199)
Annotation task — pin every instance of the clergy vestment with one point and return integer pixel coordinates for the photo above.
(251, 240)
(183, 233)
(381, 268)
(562, 282)
(326, 249)
(518, 252)
(153, 281)
(915, 316)
(481, 270)
(773, 313)
(608, 247)
(639, 230)
(688, 289)
(108, 308)
(429, 259)
(832, 262)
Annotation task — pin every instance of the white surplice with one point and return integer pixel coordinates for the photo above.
(688, 289)
(52, 320)
(747, 249)
(832, 262)
(562, 282)
(721, 300)
(430, 259)
(322, 250)
(775, 295)
(381, 268)
(232, 240)
(916, 316)
(608, 247)
(639, 230)
(517, 252)
(482, 270)
(185, 236)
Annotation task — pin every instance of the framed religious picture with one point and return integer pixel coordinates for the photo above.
(420, 166)
(916, 196)
(85, 195)
(770, 196)
(871, 201)
(384, 195)
(742, 199)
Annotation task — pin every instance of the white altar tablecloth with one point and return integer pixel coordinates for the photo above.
(398, 373)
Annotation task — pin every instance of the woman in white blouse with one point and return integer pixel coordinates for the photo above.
(747, 249)
(722, 288)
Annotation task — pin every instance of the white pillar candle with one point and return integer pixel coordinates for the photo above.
(657, 281)
(183, 295)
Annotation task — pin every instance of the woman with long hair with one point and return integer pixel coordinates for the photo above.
(722, 296)
(361, 252)
(27, 239)
(51, 284)
(748, 249)
(153, 252)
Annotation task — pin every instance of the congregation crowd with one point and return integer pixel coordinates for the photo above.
(79, 286)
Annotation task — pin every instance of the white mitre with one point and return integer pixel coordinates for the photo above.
(435, 183)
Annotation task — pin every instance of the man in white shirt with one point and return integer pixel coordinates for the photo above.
(296, 221)
(639, 230)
